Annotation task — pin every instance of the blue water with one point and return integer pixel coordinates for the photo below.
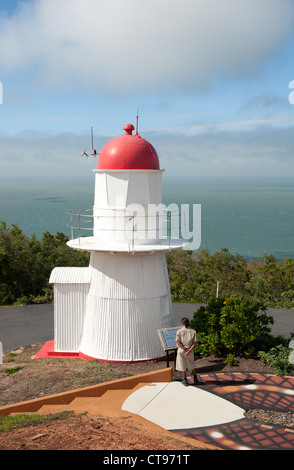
(250, 217)
(37, 207)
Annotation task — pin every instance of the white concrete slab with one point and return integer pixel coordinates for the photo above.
(173, 406)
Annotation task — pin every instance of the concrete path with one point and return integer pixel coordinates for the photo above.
(170, 405)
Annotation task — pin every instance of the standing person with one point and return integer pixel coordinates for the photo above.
(186, 339)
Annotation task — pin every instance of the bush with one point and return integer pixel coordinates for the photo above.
(278, 358)
(231, 326)
(230, 360)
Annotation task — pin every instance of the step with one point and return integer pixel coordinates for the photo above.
(110, 402)
(52, 409)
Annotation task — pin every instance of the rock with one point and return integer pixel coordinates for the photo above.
(38, 436)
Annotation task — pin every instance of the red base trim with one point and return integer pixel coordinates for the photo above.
(47, 351)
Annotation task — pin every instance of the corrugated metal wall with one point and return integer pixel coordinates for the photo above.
(112, 309)
(71, 288)
(127, 303)
(70, 275)
(129, 276)
(122, 330)
(69, 311)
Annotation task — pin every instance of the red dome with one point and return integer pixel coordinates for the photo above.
(128, 152)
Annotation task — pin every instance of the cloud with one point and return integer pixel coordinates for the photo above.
(236, 127)
(33, 155)
(256, 148)
(132, 45)
(263, 148)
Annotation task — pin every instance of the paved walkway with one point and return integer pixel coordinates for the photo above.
(213, 412)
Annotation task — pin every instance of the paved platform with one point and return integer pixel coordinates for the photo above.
(214, 411)
(172, 406)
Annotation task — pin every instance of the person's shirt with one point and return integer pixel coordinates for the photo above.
(186, 336)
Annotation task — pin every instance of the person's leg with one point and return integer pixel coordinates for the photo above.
(194, 373)
(184, 378)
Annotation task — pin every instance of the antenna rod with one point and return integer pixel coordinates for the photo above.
(92, 138)
(137, 122)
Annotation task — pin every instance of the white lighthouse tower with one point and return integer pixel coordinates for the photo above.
(112, 310)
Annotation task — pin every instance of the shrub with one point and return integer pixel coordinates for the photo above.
(231, 326)
(278, 358)
(230, 360)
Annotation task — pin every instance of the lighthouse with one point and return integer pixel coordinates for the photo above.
(112, 309)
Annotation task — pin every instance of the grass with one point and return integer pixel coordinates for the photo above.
(9, 357)
(12, 370)
(9, 423)
(22, 378)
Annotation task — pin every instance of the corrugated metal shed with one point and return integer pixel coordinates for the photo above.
(70, 275)
(71, 288)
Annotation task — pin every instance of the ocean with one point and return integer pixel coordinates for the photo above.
(247, 216)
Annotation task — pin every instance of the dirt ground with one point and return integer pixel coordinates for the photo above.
(22, 378)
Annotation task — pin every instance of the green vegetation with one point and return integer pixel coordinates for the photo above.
(9, 357)
(8, 423)
(26, 264)
(278, 358)
(12, 370)
(231, 327)
(194, 277)
(235, 323)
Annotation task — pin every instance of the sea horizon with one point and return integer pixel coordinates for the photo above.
(248, 215)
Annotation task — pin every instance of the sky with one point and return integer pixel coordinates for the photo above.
(211, 80)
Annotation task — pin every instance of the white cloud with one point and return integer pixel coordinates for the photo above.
(211, 128)
(126, 46)
(245, 148)
(234, 149)
(31, 154)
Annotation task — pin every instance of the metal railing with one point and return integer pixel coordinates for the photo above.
(83, 221)
(80, 215)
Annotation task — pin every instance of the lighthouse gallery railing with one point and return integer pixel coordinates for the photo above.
(165, 226)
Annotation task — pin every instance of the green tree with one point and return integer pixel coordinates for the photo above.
(26, 264)
(222, 267)
(272, 281)
(182, 275)
(16, 264)
(194, 277)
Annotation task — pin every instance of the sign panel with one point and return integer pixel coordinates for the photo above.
(168, 338)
